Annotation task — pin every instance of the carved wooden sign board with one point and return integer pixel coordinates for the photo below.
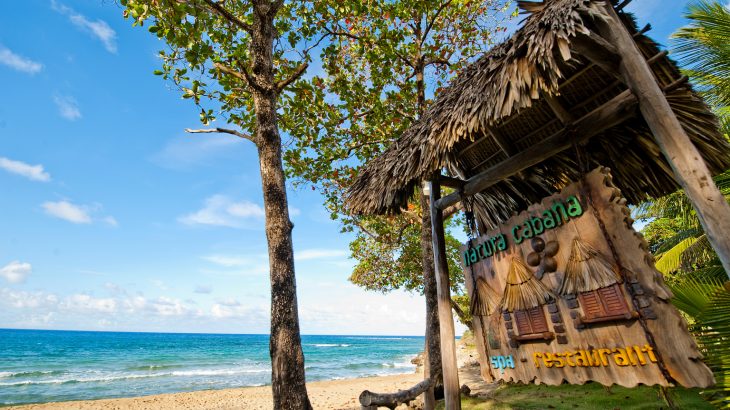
(567, 291)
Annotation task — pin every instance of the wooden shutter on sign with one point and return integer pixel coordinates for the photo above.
(522, 319)
(613, 300)
(531, 322)
(604, 304)
(537, 320)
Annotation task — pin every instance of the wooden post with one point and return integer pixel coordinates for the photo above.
(689, 169)
(446, 320)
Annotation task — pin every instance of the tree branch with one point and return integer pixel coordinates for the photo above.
(341, 33)
(222, 131)
(434, 60)
(356, 146)
(243, 75)
(433, 20)
(460, 313)
(281, 85)
(220, 10)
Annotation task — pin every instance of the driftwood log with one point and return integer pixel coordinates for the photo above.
(371, 401)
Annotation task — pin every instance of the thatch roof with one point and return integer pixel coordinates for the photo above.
(523, 290)
(485, 299)
(586, 270)
(502, 98)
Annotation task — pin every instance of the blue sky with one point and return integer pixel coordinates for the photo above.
(112, 218)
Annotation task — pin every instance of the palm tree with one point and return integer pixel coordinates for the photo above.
(682, 251)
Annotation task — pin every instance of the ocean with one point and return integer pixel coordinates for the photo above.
(45, 365)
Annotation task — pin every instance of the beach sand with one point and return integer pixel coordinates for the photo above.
(331, 394)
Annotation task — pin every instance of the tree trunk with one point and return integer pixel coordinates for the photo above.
(432, 369)
(285, 345)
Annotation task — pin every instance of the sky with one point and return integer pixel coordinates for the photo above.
(112, 218)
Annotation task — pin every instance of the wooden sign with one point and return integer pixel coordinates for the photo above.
(567, 291)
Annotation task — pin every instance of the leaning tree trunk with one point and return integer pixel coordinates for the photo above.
(285, 345)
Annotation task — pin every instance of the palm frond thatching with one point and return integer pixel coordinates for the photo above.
(505, 93)
(586, 270)
(523, 290)
(485, 300)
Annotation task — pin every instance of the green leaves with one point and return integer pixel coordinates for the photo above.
(199, 35)
(368, 95)
(707, 304)
(703, 46)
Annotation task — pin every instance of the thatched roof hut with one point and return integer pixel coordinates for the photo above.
(553, 80)
(523, 290)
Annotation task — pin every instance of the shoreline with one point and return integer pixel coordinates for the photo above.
(325, 394)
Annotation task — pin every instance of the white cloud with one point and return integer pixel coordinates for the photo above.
(32, 172)
(84, 302)
(67, 107)
(67, 211)
(309, 254)
(98, 28)
(78, 214)
(16, 271)
(19, 63)
(220, 210)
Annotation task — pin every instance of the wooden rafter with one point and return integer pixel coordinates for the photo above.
(615, 111)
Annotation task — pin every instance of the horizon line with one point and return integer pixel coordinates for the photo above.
(201, 333)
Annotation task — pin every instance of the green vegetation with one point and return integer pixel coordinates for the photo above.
(587, 396)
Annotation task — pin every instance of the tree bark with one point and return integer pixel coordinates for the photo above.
(370, 400)
(432, 368)
(686, 161)
(446, 319)
(285, 346)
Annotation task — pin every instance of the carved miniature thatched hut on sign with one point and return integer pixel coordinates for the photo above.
(577, 86)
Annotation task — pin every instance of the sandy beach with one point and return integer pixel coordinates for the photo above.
(333, 394)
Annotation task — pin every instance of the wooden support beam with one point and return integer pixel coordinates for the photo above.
(451, 182)
(446, 319)
(504, 144)
(563, 115)
(646, 28)
(653, 59)
(598, 51)
(676, 84)
(689, 169)
(610, 114)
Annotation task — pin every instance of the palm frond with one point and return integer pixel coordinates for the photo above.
(676, 239)
(692, 296)
(703, 48)
(671, 260)
(708, 304)
(698, 254)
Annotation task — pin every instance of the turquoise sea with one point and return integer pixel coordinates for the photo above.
(42, 365)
